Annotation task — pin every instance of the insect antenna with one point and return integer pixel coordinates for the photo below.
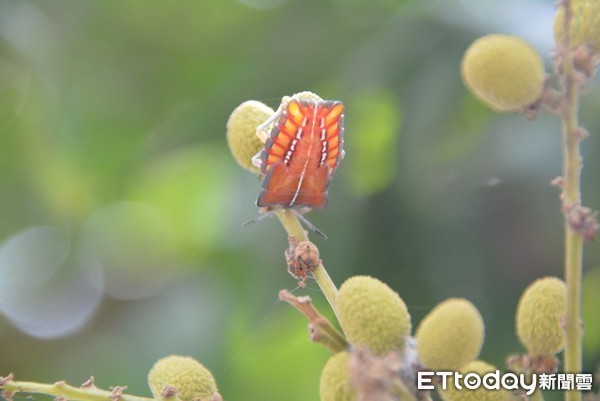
(309, 225)
(258, 218)
(297, 213)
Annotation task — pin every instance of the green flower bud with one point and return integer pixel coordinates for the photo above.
(335, 379)
(372, 315)
(241, 132)
(450, 336)
(539, 314)
(481, 394)
(504, 72)
(307, 95)
(585, 24)
(191, 379)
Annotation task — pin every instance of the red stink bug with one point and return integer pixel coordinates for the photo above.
(302, 152)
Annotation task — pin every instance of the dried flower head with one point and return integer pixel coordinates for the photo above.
(302, 258)
(582, 220)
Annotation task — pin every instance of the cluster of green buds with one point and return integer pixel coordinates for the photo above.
(378, 354)
(449, 338)
(379, 357)
(507, 73)
(377, 326)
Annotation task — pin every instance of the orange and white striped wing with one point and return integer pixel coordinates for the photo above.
(286, 188)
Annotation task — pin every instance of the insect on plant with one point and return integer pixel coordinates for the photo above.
(304, 144)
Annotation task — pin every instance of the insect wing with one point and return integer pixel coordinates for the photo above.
(286, 188)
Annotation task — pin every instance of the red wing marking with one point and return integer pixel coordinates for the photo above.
(281, 188)
(334, 123)
(277, 187)
(314, 189)
(302, 153)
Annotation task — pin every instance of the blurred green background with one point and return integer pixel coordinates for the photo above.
(121, 207)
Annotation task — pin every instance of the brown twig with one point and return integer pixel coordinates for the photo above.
(321, 330)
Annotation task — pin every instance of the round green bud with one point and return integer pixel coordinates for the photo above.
(335, 379)
(307, 95)
(504, 72)
(585, 24)
(241, 132)
(452, 393)
(539, 314)
(372, 315)
(450, 336)
(188, 376)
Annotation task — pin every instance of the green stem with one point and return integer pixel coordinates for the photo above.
(571, 198)
(90, 393)
(336, 337)
(294, 229)
(321, 330)
(331, 343)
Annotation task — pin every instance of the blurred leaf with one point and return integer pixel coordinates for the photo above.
(262, 4)
(367, 13)
(191, 188)
(372, 127)
(129, 250)
(48, 297)
(65, 188)
(14, 88)
(31, 257)
(462, 130)
(270, 358)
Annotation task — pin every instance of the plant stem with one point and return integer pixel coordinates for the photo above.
(294, 229)
(571, 197)
(320, 328)
(89, 393)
